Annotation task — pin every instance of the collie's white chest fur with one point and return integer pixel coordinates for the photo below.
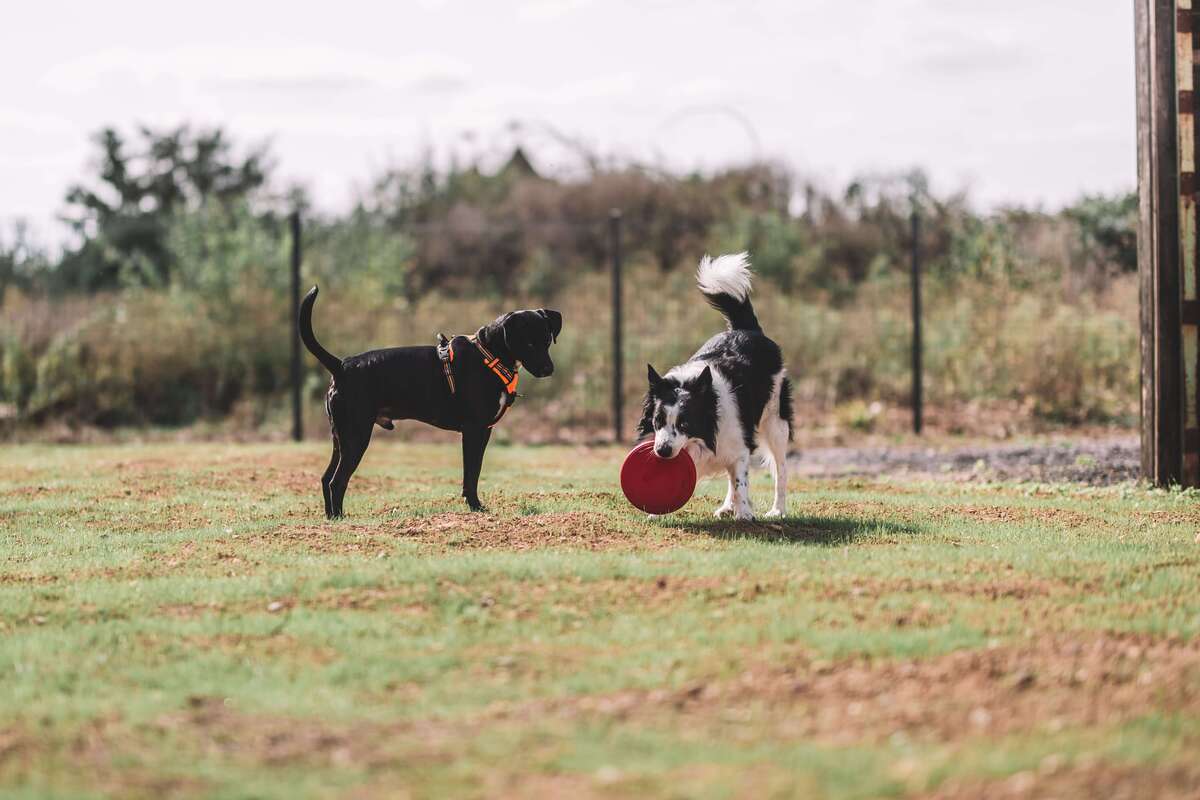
(729, 439)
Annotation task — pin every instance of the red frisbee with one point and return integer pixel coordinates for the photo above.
(657, 485)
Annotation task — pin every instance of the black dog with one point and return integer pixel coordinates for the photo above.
(466, 385)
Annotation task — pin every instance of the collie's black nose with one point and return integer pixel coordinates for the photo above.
(663, 451)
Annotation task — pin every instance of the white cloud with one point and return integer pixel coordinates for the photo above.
(542, 10)
(267, 67)
(1030, 101)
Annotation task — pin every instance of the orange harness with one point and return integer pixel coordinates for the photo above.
(507, 377)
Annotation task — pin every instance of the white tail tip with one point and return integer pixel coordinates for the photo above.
(728, 274)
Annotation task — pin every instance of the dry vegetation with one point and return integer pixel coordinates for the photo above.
(172, 307)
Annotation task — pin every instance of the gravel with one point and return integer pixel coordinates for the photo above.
(1095, 463)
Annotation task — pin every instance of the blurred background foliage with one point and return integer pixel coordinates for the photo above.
(169, 305)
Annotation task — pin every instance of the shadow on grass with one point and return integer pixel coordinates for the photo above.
(808, 530)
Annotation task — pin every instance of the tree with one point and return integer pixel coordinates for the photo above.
(123, 217)
(22, 262)
(1107, 227)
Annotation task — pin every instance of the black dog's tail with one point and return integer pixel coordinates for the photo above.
(304, 323)
(725, 283)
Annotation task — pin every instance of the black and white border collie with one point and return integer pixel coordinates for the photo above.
(730, 398)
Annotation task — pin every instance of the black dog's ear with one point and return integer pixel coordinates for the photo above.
(554, 319)
(502, 324)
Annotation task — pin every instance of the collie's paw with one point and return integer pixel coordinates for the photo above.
(744, 515)
(774, 513)
(723, 511)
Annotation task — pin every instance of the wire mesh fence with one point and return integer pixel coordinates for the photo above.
(215, 346)
(616, 321)
(587, 399)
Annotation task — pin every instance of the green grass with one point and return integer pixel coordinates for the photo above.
(180, 619)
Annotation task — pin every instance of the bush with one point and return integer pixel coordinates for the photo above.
(1011, 296)
(18, 373)
(160, 359)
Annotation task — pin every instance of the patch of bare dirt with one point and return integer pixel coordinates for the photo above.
(1044, 684)
(552, 787)
(271, 646)
(91, 759)
(517, 600)
(1055, 517)
(342, 538)
(989, 586)
(14, 471)
(575, 495)
(1110, 781)
(271, 739)
(18, 577)
(870, 602)
(1187, 516)
(576, 529)
(302, 479)
(34, 491)
(190, 610)
(525, 600)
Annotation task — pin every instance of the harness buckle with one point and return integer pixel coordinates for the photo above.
(446, 356)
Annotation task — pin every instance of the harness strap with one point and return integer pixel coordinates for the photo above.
(509, 378)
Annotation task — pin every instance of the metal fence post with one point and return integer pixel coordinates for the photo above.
(614, 244)
(917, 378)
(294, 334)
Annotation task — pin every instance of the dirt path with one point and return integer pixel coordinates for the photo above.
(1095, 462)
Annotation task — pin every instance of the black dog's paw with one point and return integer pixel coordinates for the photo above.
(475, 505)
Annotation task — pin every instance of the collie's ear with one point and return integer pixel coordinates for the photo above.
(704, 380)
(652, 376)
(554, 319)
(645, 425)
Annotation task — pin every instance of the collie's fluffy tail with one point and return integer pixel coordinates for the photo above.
(304, 323)
(725, 283)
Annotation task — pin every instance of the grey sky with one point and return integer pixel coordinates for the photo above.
(1020, 101)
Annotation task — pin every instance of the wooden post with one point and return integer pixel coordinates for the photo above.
(297, 417)
(1167, 240)
(614, 244)
(917, 376)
